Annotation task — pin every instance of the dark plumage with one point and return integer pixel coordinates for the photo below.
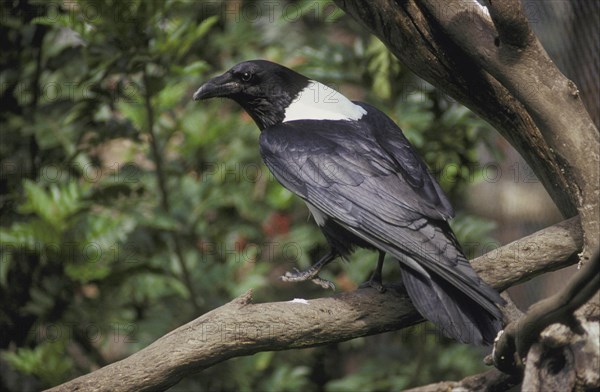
(365, 187)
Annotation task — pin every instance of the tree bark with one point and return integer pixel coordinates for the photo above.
(241, 328)
(563, 360)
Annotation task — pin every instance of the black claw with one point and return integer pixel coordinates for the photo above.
(375, 280)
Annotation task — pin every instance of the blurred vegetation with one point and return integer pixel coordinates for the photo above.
(127, 209)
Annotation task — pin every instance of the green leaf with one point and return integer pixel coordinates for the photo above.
(194, 69)
(85, 271)
(279, 197)
(171, 95)
(263, 360)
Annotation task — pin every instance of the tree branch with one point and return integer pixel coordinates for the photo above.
(518, 336)
(511, 23)
(491, 380)
(564, 361)
(242, 328)
(165, 203)
(493, 64)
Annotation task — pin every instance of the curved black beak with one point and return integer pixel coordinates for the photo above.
(219, 86)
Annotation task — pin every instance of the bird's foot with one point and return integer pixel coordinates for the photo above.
(374, 283)
(326, 284)
(311, 274)
(299, 276)
(375, 279)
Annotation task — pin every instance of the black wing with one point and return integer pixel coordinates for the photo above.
(366, 177)
(342, 168)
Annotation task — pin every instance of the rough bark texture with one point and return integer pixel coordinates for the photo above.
(565, 361)
(242, 328)
(511, 263)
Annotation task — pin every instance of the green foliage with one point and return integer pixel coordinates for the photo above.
(46, 361)
(390, 369)
(383, 67)
(287, 378)
(129, 209)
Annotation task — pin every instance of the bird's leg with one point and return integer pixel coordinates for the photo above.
(313, 272)
(375, 280)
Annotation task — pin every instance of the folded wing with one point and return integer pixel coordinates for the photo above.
(366, 177)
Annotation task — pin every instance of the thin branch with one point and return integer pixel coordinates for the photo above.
(39, 33)
(242, 328)
(518, 336)
(156, 153)
(163, 191)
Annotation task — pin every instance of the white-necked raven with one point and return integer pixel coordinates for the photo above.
(365, 186)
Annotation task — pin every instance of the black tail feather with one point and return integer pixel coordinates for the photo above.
(456, 314)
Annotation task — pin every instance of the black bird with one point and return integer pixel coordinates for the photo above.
(365, 187)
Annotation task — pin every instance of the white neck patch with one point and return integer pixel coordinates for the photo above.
(320, 102)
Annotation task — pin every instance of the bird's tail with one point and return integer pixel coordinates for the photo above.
(458, 315)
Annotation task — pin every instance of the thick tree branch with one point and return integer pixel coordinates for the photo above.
(242, 328)
(511, 264)
(564, 361)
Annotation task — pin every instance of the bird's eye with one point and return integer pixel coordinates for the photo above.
(246, 76)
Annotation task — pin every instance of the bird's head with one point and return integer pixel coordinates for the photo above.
(264, 89)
